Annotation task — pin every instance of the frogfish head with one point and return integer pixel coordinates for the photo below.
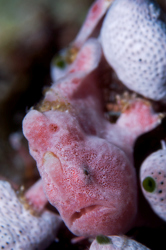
(93, 186)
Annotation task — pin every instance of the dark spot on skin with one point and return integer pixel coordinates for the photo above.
(161, 199)
(86, 172)
(161, 182)
(159, 172)
(95, 8)
(160, 191)
(140, 60)
(53, 127)
(35, 150)
(76, 80)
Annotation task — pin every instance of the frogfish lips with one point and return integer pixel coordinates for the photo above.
(91, 220)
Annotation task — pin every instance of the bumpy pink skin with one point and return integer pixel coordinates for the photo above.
(85, 162)
(36, 197)
(95, 13)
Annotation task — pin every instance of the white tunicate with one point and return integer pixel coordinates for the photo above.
(19, 229)
(133, 38)
(153, 181)
(116, 243)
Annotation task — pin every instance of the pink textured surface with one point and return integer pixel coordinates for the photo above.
(96, 12)
(36, 197)
(85, 161)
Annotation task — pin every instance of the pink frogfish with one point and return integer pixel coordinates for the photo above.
(86, 162)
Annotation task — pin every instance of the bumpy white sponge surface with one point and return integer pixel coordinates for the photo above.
(19, 229)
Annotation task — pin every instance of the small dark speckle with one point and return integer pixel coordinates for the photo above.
(161, 182)
(2, 247)
(160, 191)
(159, 172)
(161, 155)
(140, 60)
(53, 127)
(86, 172)
(161, 199)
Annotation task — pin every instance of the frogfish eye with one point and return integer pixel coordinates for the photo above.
(149, 184)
